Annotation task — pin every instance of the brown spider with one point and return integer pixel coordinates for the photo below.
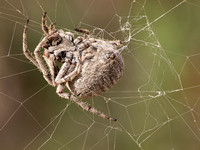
(89, 66)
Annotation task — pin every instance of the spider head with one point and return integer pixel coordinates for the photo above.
(60, 45)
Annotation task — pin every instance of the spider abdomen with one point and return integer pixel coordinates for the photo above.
(97, 76)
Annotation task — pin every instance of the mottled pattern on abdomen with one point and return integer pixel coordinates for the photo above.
(96, 78)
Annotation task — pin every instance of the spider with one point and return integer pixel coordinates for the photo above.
(88, 66)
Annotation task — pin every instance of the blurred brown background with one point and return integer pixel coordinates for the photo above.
(156, 102)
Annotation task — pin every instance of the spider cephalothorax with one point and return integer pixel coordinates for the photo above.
(89, 66)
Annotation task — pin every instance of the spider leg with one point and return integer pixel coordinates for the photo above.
(44, 24)
(26, 51)
(53, 68)
(116, 43)
(78, 40)
(83, 45)
(47, 29)
(68, 74)
(41, 64)
(84, 31)
(80, 103)
(63, 71)
(37, 60)
(52, 26)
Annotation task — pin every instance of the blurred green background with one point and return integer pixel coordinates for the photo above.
(156, 102)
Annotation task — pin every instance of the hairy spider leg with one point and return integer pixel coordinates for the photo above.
(26, 51)
(63, 71)
(47, 29)
(64, 75)
(84, 31)
(46, 73)
(44, 24)
(80, 103)
(49, 58)
(37, 60)
(52, 26)
(78, 40)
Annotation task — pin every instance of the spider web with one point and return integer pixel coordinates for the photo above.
(156, 102)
